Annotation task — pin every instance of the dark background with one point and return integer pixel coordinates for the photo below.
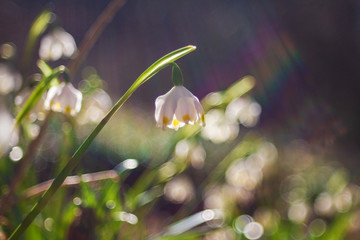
(304, 54)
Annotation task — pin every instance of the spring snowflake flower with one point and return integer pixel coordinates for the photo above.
(56, 45)
(177, 108)
(64, 98)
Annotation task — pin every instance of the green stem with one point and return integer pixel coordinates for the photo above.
(177, 76)
(73, 162)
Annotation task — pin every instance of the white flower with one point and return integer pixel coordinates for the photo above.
(177, 108)
(9, 79)
(96, 106)
(244, 110)
(64, 98)
(180, 189)
(218, 128)
(57, 44)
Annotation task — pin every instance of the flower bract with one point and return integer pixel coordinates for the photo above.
(177, 108)
(64, 98)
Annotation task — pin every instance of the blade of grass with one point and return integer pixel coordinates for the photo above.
(337, 230)
(146, 75)
(188, 223)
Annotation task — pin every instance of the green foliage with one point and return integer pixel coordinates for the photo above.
(140, 182)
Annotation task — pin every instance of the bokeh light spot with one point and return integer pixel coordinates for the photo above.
(130, 163)
(253, 230)
(16, 153)
(49, 224)
(77, 201)
(317, 227)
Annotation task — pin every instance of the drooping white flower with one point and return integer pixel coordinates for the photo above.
(177, 108)
(64, 98)
(57, 44)
(96, 106)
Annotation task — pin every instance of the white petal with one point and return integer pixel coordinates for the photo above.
(158, 107)
(53, 95)
(165, 106)
(200, 112)
(70, 99)
(64, 98)
(168, 110)
(184, 92)
(185, 110)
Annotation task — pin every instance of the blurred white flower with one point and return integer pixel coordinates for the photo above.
(96, 106)
(215, 197)
(244, 110)
(182, 148)
(6, 126)
(197, 157)
(219, 129)
(64, 98)
(298, 212)
(180, 189)
(9, 79)
(253, 230)
(177, 108)
(57, 44)
(244, 173)
(324, 204)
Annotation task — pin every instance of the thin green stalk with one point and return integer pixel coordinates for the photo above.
(37, 28)
(73, 162)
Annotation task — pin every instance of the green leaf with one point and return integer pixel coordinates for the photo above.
(236, 90)
(184, 236)
(38, 92)
(44, 68)
(337, 230)
(180, 228)
(162, 63)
